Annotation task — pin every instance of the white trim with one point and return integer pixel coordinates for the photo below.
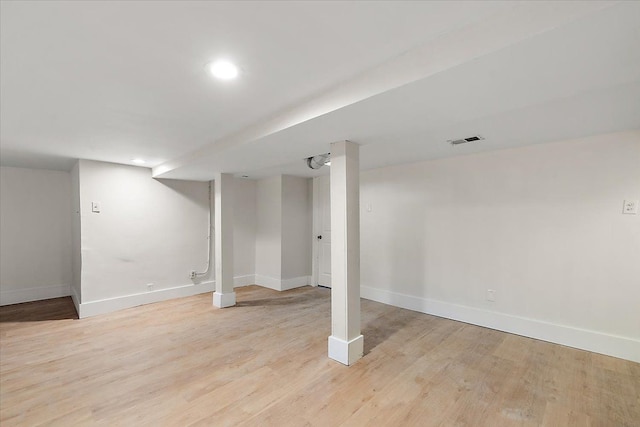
(282, 284)
(94, 308)
(16, 296)
(224, 300)
(315, 229)
(295, 282)
(598, 342)
(268, 282)
(239, 281)
(76, 300)
(346, 352)
(109, 305)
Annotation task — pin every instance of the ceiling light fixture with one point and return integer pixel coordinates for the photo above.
(138, 161)
(223, 70)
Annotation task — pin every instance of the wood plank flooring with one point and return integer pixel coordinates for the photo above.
(263, 363)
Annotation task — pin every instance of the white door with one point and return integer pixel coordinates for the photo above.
(323, 231)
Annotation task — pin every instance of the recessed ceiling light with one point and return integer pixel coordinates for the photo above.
(223, 70)
(138, 161)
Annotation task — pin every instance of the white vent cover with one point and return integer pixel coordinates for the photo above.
(465, 140)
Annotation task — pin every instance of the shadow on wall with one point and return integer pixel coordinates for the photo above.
(186, 189)
(39, 311)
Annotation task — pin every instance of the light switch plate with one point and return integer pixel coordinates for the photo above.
(95, 207)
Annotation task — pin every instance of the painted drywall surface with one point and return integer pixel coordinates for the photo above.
(76, 256)
(283, 232)
(540, 225)
(148, 231)
(35, 225)
(244, 231)
(268, 248)
(296, 227)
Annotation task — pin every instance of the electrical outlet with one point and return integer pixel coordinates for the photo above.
(192, 274)
(630, 207)
(491, 295)
(150, 286)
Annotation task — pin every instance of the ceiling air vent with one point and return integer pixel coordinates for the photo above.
(465, 140)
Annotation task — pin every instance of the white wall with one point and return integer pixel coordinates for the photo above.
(296, 227)
(148, 232)
(76, 255)
(283, 233)
(35, 225)
(244, 232)
(540, 225)
(269, 229)
(147, 237)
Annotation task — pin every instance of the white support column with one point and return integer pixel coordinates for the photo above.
(224, 296)
(346, 343)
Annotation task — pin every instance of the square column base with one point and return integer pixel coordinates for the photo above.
(224, 300)
(346, 352)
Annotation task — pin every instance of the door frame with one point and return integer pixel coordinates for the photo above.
(315, 230)
(321, 202)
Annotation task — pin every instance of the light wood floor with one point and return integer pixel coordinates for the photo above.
(264, 363)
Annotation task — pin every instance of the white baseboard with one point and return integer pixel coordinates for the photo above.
(295, 282)
(239, 281)
(76, 300)
(224, 300)
(268, 282)
(281, 284)
(94, 308)
(16, 296)
(598, 342)
(346, 352)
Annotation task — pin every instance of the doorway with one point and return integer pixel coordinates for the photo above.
(322, 231)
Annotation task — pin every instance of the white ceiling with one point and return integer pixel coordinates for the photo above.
(121, 80)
